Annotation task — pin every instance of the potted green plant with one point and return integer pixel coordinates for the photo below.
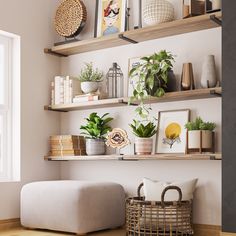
(200, 135)
(90, 78)
(151, 77)
(95, 131)
(144, 131)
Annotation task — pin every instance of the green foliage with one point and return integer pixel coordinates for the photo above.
(199, 124)
(97, 127)
(150, 77)
(143, 130)
(89, 74)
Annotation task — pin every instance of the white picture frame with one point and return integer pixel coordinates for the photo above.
(171, 135)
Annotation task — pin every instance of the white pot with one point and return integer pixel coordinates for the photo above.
(89, 87)
(208, 77)
(95, 147)
(194, 139)
(157, 11)
(143, 146)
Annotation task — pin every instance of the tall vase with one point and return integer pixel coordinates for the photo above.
(187, 78)
(157, 11)
(208, 78)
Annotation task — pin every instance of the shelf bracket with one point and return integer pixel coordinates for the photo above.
(121, 36)
(127, 103)
(48, 108)
(214, 93)
(49, 51)
(216, 20)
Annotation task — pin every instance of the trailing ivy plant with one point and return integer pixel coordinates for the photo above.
(143, 129)
(199, 124)
(89, 74)
(97, 127)
(149, 78)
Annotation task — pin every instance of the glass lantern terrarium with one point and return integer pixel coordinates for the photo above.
(115, 82)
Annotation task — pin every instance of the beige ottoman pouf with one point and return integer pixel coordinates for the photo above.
(72, 206)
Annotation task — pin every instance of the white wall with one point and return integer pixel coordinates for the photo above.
(32, 20)
(190, 47)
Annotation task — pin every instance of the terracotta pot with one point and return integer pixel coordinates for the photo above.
(194, 139)
(89, 86)
(143, 146)
(95, 147)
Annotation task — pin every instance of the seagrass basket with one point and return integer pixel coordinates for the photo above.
(162, 218)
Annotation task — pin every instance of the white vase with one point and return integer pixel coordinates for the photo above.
(157, 11)
(208, 77)
(89, 87)
(143, 146)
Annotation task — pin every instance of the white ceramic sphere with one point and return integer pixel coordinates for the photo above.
(157, 11)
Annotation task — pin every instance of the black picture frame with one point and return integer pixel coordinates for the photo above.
(96, 19)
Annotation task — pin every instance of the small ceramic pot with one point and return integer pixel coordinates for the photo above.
(89, 86)
(194, 139)
(95, 147)
(143, 146)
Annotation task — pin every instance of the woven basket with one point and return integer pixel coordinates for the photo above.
(159, 218)
(157, 11)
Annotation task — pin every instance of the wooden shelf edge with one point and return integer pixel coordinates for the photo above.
(156, 157)
(116, 102)
(172, 28)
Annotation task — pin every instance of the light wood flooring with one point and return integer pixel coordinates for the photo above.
(25, 232)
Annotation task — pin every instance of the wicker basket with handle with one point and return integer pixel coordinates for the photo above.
(159, 218)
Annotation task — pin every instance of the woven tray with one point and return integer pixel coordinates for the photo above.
(70, 18)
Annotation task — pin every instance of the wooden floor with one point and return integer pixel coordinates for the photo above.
(26, 232)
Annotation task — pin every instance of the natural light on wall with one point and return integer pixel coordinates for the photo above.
(9, 107)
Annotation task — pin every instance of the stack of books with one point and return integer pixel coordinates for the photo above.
(67, 145)
(64, 89)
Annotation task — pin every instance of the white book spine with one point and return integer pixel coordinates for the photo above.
(52, 93)
(62, 90)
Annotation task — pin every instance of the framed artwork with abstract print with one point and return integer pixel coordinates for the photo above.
(171, 136)
(110, 17)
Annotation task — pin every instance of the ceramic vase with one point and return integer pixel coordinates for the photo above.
(143, 146)
(157, 11)
(208, 77)
(89, 86)
(187, 78)
(95, 147)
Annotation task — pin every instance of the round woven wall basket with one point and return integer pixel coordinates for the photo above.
(70, 18)
(157, 11)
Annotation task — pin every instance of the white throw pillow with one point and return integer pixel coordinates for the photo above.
(153, 189)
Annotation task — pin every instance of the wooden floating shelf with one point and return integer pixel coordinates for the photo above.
(180, 157)
(183, 95)
(138, 35)
(116, 102)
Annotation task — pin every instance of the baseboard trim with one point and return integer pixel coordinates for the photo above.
(227, 234)
(199, 229)
(9, 224)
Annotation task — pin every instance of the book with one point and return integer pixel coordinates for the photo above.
(85, 98)
(67, 153)
(59, 89)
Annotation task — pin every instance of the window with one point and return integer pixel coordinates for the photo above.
(9, 107)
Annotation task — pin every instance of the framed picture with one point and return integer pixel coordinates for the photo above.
(171, 135)
(110, 17)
